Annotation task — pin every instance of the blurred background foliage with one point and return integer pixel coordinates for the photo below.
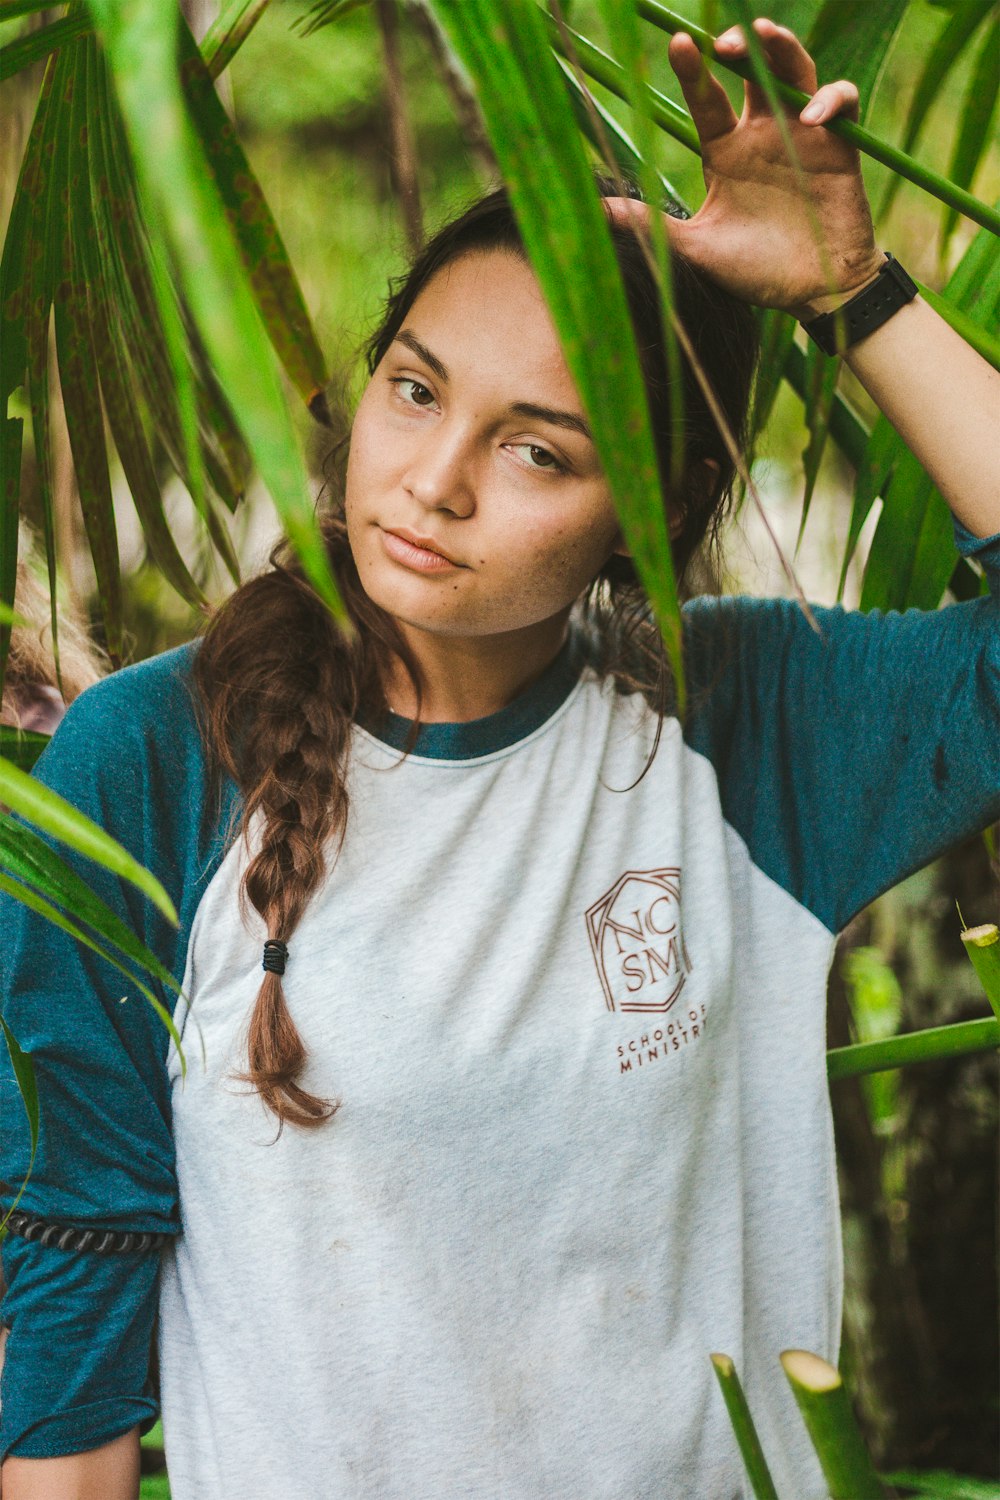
(918, 1149)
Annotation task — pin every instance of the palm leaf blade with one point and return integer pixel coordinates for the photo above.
(941, 58)
(37, 902)
(977, 119)
(279, 297)
(44, 808)
(568, 242)
(178, 190)
(30, 859)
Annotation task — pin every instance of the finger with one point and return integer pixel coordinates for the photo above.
(704, 95)
(627, 212)
(833, 100)
(784, 54)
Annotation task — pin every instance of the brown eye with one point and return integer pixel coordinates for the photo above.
(539, 458)
(417, 395)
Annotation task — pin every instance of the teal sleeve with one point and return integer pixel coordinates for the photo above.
(850, 755)
(128, 755)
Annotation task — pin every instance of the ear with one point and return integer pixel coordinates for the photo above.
(703, 477)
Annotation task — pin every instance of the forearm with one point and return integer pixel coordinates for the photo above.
(107, 1473)
(944, 401)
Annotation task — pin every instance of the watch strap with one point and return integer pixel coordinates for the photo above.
(874, 305)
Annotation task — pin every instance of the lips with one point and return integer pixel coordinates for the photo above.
(413, 550)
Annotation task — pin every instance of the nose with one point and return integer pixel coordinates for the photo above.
(440, 474)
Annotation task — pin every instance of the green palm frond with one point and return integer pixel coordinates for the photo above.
(229, 31)
(978, 114)
(325, 12)
(27, 50)
(956, 33)
(533, 133)
(128, 344)
(852, 39)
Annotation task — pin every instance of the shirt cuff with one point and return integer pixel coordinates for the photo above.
(83, 1428)
(985, 549)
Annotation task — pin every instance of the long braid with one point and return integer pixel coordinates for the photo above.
(280, 686)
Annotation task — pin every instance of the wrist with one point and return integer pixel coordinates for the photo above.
(827, 302)
(878, 300)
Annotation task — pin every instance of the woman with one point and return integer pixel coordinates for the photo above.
(529, 1113)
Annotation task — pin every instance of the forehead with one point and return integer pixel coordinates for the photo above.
(485, 314)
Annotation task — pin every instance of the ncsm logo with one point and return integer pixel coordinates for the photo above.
(635, 937)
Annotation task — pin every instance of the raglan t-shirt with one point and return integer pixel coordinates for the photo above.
(566, 979)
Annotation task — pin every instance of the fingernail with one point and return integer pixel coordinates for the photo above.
(811, 111)
(729, 38)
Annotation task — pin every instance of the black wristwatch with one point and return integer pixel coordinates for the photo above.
(838, 330)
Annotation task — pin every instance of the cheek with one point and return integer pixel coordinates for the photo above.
(567, 557)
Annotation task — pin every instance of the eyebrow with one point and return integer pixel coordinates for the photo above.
(557, 418)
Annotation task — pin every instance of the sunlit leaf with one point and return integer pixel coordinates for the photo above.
(44, 808)
(823, 374)
(965, 19)
(777, 331)
(566, 236)
(851, 39)
(275, 286)
(913, 550)
(38, 44)
(30, 859)
(978, 113)
(10, 616)
(38, 903)
(672, 118)
(21, 746)
(626, 35)
(229, 31)
(619, 141)
(78, 373)
(323, 12)
(871, 479)
(179, 193)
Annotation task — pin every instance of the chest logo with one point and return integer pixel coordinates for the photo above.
(635, 937)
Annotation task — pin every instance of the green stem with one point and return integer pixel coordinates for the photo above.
(228, 32)
(982, 944)
(38, 44)
(670, 117)
(743, 1426)
(918, 1046)
(826, 1411)
(914, 171)
(623, 149)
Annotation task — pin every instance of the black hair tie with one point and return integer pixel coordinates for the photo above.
(275, 954)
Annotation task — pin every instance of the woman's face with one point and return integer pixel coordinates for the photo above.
(475, 501)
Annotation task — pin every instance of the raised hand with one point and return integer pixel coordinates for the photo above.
(798, 239)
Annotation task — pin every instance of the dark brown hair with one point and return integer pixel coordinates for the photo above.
(280, 686)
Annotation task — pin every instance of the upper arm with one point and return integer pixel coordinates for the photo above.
(850, 757)
(110, 1472)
